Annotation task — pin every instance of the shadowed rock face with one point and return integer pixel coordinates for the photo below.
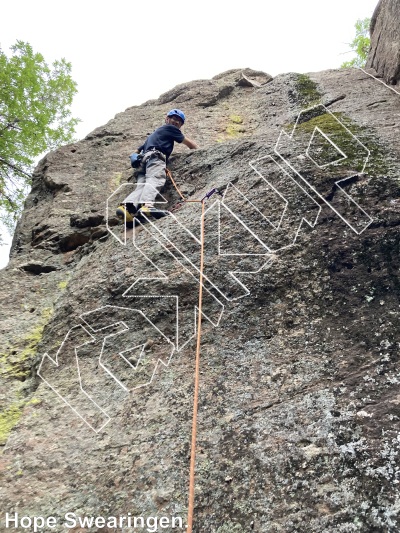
(384, 54)
(298, 427)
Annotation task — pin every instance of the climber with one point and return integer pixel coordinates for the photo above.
(151, 159)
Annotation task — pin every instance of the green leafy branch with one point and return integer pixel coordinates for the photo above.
(360, 44)
(35, 117)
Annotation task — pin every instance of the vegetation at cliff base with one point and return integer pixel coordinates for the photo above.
(35, 117)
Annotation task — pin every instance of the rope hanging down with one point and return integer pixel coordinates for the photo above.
(196, 382)
(197, 362)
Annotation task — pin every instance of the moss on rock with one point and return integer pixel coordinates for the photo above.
(15, 362)
(8, 418)
(349, 137)
(307, 93)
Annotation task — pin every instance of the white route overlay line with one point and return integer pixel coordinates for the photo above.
(276, 226)
(234, 215)
(117, 191)
(121, 353)
(377, 79)
(282, 132)
(106, 337)
(56, 363)
(195, 267)
(267, 254)
(173, 297)
(122, 186)
(164, 277)
(344, 156)
(179, 347)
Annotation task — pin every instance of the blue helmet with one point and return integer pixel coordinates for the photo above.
(177, 112)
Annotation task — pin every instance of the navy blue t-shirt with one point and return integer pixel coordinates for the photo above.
(163, 139)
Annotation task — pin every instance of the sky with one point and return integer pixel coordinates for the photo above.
(126, 52)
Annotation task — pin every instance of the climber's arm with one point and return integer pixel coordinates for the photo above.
(190, 144)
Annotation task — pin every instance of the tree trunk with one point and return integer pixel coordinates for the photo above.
(384, 54)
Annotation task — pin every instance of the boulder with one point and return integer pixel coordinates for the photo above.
(384, 54)
(298, 415)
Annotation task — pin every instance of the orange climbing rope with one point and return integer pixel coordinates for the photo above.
(197, 364)
(174, 184)
(196, 382)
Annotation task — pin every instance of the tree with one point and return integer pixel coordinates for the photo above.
(34, 117)
(360, 44)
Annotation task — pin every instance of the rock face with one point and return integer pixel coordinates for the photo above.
(299, 417)
(384, 54)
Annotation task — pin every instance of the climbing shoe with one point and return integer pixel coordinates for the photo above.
(123, 212)
(151, 212)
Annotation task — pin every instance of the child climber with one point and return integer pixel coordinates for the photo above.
(151, 159)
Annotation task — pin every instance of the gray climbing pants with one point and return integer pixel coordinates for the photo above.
(150, 179)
